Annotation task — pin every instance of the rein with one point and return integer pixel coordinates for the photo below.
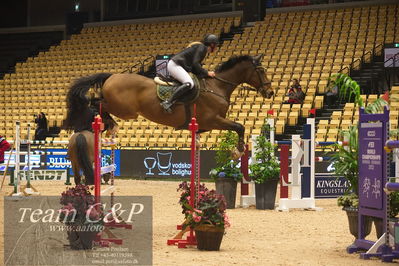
(226, 81)
(260, 76)
(257, 90)
(215, 93)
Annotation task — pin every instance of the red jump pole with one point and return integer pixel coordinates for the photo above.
(193, 126)
(191, 240)
(284, 155)
(98, 126)
(244, 171)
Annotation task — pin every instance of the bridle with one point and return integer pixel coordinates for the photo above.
(260, 70)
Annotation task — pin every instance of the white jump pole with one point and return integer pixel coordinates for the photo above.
(42, 152)
(29, 189)
(28, 162)
(17, 191)
(396, 160)
(311, 122)
(302, 196)
(270, 122)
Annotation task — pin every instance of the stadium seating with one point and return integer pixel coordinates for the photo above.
(307, 45)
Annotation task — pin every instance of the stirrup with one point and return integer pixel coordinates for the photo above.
(166, 105)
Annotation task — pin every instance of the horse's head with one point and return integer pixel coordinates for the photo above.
(259, 80)
(246, 69)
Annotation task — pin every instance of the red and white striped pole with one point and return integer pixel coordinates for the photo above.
(284, 165)
(193, 126)
(98, 126)
(244, 170)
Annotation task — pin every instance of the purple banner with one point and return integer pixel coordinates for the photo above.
(370, 165)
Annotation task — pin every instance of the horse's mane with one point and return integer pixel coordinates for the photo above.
(233, 60)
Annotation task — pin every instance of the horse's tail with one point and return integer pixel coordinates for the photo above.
(83, 159)
(79, 115)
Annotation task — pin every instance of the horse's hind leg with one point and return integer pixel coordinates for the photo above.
(72, 157)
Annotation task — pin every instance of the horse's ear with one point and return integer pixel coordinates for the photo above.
(258, 58)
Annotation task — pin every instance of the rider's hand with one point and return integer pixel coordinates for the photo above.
(211, 74)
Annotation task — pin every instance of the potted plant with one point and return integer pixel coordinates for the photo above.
(345, 157)
(265, 172)
(350, 203)
(227, 172)
(208, 218)
(83, 218)
(184, 200)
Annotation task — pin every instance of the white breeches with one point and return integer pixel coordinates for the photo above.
(179, 73)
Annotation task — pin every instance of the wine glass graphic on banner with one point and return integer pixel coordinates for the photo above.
(164, 163)
(149, 163)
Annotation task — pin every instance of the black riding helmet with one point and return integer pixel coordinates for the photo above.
(211, 39)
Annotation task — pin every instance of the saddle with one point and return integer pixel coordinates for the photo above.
(166, 87)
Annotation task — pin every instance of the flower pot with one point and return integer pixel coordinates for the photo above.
(208, 237)
(265, 194)
(228, 188)
(86, 239)
(74, 241)
(352, 214)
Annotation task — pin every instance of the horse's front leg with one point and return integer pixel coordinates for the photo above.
(225, 124)
(239, 151)
(110, 124)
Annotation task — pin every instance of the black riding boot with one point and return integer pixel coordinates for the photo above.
(176, 94)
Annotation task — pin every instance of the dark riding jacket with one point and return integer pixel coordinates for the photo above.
(190, 59)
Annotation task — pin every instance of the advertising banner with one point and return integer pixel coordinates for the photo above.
(42, 174)
(50, 159)
(329, 186)
(163, 163)
(53, 159)
(105, 160)
(370, 164)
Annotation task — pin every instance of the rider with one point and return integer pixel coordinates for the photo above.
(189, 60)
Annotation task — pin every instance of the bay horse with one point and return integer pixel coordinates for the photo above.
(128, 95)
(81, 154)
